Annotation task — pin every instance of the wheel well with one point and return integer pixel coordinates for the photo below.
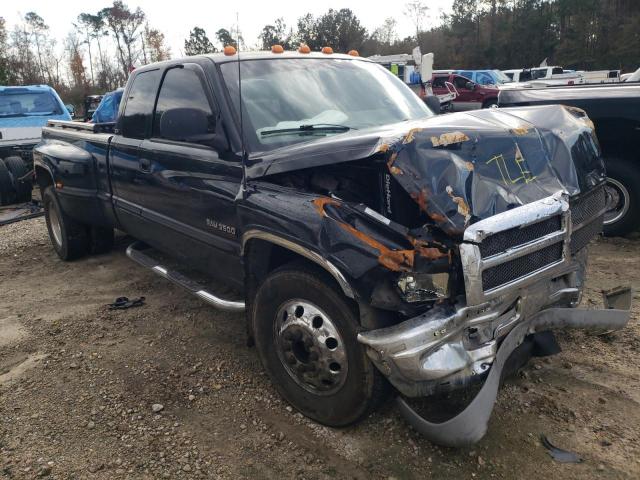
(489, 100)
(261, 257)
(43, 177)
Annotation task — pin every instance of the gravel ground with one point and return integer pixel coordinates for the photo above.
(170, 389)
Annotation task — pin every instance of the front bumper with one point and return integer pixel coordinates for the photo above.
(524, 272)
(470, 425)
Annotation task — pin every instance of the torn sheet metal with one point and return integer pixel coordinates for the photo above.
(470, 425)
(465, 167)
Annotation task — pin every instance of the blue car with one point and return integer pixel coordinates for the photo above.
(107, 111)
(23, 113)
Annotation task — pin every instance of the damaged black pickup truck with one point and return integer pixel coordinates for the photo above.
(375, 243)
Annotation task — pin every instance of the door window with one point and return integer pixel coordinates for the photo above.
(139, 106)
(183, 112)
(439, 82)
(485, 79)
(460, 82)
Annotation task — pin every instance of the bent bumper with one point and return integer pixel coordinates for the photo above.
(470, 425)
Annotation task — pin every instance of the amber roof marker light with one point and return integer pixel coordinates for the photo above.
(327, 50)
(277, 49)
(229, 50)
(354, 53)
(304, 48)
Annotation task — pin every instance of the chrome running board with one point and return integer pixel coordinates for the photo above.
(134, 252)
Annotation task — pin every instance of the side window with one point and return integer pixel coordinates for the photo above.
(439, 82)
(183, 112)
(485, 79)
(468, 75)
(525, 75)
(460, 82)
(538, 73)
(509, 74)
(139, 106)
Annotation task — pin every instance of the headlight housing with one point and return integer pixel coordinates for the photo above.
(423, 287)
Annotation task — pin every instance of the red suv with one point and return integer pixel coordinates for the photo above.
(470, 95)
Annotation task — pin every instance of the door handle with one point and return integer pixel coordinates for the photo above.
(145, 164)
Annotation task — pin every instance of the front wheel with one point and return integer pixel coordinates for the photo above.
(492, 103)
(623, 186)
(305, 333)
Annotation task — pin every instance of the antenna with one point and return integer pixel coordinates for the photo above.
(244, 150)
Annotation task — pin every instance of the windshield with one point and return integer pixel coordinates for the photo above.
(287, 101)
(501, 77)
(25, 104)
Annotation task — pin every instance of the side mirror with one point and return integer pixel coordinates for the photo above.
(433, 103)
(470, 86)
(183, 124)
(191, 125)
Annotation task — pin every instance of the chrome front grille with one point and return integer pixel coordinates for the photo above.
(587, 216)
(511, 270)
(517, 247)
(514, 237)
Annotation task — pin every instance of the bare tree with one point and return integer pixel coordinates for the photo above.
(124, 24)
(38, 28)
(386, 33)
(416, 10)
(155, 45)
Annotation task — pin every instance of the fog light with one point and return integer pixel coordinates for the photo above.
(423, 287)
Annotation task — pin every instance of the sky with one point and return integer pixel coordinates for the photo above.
(175, 18)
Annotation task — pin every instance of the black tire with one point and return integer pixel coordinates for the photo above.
(623, 181)
(22, 181)
(490, 103)
(7, 192)
(362, 387)
(101, 240)
(69, 238)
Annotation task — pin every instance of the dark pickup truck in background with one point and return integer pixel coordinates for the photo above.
(372, 243)
(615, 112)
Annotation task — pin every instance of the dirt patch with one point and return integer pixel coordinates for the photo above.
(12, 331)
(84, 409)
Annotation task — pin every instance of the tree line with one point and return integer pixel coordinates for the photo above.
(102, 47)
(579, 34)
(97, 55)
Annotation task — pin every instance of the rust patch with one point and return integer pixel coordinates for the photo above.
(411, 136)
(449, 138)
(395, 260)
(320, 202)
(424, 250)
(463, 208)
(521, 130)
(421, 200)
(390, 165)
(384, 148)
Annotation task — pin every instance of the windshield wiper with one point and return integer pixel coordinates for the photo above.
(12, 115)
(308, 128)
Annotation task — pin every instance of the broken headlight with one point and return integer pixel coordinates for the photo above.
(423, 287)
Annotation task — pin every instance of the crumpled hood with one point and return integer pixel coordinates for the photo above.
(461, 168)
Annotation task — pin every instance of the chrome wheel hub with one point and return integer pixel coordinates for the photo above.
(619, 201)
(56, 229)
(310, 347)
